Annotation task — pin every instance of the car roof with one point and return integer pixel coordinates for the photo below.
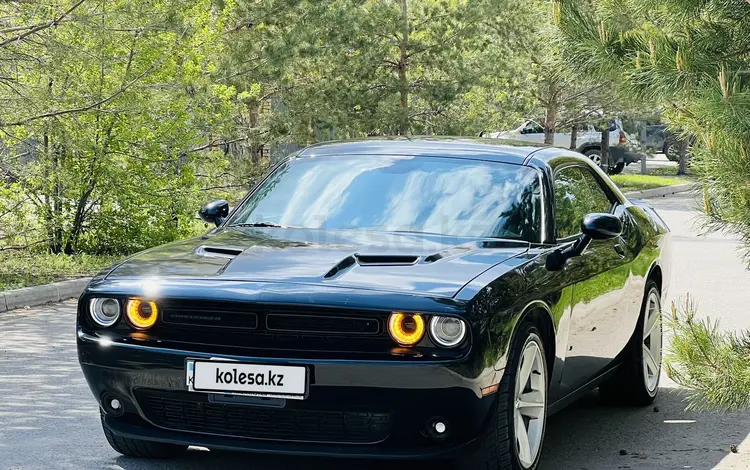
(505, 151)
(496, 150)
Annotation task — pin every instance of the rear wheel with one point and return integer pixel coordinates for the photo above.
(138, 448)
(514, 436)
(637, 380)
(617, 169)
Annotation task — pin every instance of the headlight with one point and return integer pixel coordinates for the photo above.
(104, 311)
(142, 315)
(405, 328)
(447, 332)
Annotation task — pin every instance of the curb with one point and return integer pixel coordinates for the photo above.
(38, 295)
(661, 192)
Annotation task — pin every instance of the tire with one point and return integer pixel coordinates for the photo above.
(138, 448)
(499, 448)
(617, 169)
(672, 152)
(635, 383)
(595, 155)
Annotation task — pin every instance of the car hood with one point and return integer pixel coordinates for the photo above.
(396, 262)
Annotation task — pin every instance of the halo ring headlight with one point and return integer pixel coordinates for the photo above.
(142, 314)
(407, 329)
(105, 311)
(447, 332)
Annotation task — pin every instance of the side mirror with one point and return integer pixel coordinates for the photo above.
(601, 226)
(595, 226)
(214, 212)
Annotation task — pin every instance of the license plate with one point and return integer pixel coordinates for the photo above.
(255, 380)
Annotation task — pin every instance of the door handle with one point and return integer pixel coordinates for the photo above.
(620, 250)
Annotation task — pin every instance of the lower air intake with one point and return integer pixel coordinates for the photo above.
(192, 412)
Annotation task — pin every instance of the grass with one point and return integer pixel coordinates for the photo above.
(665, 171)
(23, 269)
(641, 182)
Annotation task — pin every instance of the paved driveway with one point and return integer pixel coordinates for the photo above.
(48, 419)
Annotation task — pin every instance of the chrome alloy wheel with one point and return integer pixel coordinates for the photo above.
(596, 158)
(530, 400)
(652, 340)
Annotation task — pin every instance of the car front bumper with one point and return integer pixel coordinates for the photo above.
(362, 409)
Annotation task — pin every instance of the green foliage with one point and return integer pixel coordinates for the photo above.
(23, 269)
(712, 364)
(100, 124)
(351, 68)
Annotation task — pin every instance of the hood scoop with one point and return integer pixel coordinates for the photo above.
(227, 252)
(371, 260)
(386, 260)
(344, 264)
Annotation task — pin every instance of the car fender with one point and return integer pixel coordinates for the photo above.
(530, 309)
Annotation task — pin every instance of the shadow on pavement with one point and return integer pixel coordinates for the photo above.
(591, 435)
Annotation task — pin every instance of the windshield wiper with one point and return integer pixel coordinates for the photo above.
(259, 224)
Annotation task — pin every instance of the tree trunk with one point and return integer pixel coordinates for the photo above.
(574, 137)
(403, 81)
(684, 155)
(57, 209)
(550, 121)
(605, 148)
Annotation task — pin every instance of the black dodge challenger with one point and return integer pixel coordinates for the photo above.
(395, 298)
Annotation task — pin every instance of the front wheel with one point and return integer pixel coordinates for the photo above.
(636, 382)
(514, 436)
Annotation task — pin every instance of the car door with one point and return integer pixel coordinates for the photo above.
(600, 277)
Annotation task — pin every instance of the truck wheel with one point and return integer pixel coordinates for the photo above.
(672, 152)
(617, 169)
(138, 448)
(595, 155)
(636, 382)
(513, 438)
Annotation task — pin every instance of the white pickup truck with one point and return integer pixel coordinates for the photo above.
(588, 142)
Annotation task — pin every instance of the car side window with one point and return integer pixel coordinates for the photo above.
(577, 193)
(532, 128)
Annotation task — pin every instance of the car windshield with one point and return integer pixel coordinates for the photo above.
(447, 196)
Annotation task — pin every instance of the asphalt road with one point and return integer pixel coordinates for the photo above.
(48, 419)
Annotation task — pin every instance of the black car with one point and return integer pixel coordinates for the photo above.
(395, 298)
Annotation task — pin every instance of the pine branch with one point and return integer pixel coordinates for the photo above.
(712, 364)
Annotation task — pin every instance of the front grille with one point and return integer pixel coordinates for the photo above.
(213, 318)
(322, 324)
(272, 327)
(192, 412)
